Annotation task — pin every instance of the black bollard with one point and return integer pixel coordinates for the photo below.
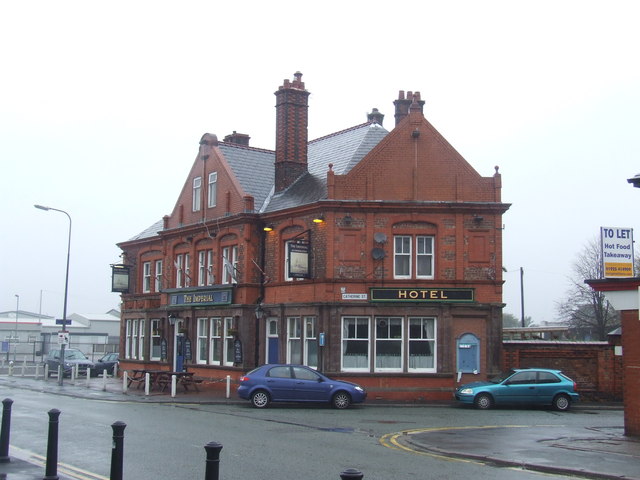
(351, 474)
(212, 470)
(51, 470)
(117, 451)
(6, 430)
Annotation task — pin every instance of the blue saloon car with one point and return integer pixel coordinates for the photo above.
(527, 386)
(296, 383)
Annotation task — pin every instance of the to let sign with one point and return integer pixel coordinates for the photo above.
(617, 252)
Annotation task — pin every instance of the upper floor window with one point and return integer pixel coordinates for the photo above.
(412, 256)
(213, 189)
(229, 264)
(146, 277)
(179, 264)
(158, 281)
(187, 270)
(205, 267)
(197, 187)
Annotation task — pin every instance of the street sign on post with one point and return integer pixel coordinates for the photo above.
(62, 321)
(63, 338)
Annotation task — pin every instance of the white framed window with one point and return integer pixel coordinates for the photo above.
(227, 340)
(399, 344)
(197, 193)
(424, 257)
(156, 339)
(134, 339)
(401, 256)
(388, 350)
(158, 272)
(294, 340)
(146, 277)
(355, 344)
(302, 344)
(229, 264)
(203, 338)
(179, 264)
(187, 270)
(215, 341)
(141, 339)
(310, 342)
(210, 273)
(127, 341)
(422, 344)
(212, 189)
(406, 262)
(205, 269)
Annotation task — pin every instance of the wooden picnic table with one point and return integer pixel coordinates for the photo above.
(161, 379)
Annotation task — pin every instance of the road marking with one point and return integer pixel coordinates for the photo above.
(66, 469)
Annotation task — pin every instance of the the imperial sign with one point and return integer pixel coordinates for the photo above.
(211, 297)
(617, 252)
(421, 294)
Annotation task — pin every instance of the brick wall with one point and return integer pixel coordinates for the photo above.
(593, 365)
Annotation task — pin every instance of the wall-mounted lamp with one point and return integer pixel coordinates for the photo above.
(172, 319)
(319, 219)
(267, 228)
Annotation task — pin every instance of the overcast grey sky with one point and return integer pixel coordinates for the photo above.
(102, 106)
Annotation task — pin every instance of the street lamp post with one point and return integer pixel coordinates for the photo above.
(15, 335)
(66, 289)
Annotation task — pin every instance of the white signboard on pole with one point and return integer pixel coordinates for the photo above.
(617, 252)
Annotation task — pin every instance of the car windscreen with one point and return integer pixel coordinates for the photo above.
(74, 355)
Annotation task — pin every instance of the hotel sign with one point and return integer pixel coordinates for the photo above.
(426, 295)
(209, 297)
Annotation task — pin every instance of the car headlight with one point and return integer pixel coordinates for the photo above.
(359, 388)
(467, 391)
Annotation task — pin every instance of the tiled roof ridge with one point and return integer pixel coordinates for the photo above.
(355, 127)
(245, 147)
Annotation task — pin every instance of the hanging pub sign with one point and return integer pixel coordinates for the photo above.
(427, 295)
(298, 259)
(617, 252)
(120, 278)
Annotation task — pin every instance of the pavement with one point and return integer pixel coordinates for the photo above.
(583, 452)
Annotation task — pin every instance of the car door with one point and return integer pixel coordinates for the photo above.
(310, 387)
(548, 386)
(519, 388)
(281, 383)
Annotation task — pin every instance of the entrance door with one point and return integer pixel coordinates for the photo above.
(273, 344)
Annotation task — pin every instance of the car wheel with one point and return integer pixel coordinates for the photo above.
(260, 399)
(561, 402)
(341, 400)
(483, 401)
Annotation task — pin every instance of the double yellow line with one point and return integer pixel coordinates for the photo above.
(63, 468)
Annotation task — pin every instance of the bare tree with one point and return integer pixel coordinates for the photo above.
(586, 311)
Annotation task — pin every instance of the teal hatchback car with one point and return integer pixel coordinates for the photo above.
(526, 386)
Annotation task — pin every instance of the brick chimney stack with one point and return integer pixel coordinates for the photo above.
(291, 132)
(404, 104)
(375, 117)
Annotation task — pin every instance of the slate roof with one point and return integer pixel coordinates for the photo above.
(343, 149)
(254, 169)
